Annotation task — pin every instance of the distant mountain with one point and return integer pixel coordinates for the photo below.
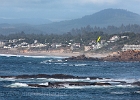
(115, 17)
(32, 21)
(103, 18)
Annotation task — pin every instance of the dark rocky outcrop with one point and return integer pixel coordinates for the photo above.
(37, 85)
(81, 58)
(87, 81)
(100, 84)
(136, 83)
(130, 55)
(56, 76)
(62, 84)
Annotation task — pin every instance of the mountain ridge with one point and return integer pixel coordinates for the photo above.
(103, 18)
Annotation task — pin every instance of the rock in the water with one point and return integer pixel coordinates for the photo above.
(62, 84)
(101, 84)
(136, 83)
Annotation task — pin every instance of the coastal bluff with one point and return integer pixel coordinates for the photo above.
(130, 55)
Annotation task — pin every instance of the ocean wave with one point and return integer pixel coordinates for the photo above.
(32, 78)
(11, 55)
(69, 81)
(55, 57)
(79, 65)
(57, 61)
(70, 85)
(137, 92)
(17, 85)
(125, 86)
(66, 80)
(32, 56)
(85, 87)
(46, 84)
(120, 92)
(126, 80)
(7, 79)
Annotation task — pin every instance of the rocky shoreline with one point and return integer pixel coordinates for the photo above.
(130, 55)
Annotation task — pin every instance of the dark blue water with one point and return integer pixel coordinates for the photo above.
(19, 65)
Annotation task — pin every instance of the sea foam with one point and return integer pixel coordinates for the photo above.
(16, 85)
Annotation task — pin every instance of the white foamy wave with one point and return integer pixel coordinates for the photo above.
(125, 86)
(46, 84)
(11, 55)
(7, 79)
(49, 94)
(78, 65)
(86, 87)
(60, 63)
(126, 80)
(16, 85)
(120, 93)
(66, 80)
(99, 86)
(57, 57)
(32, 56)
(137, 92)
(76, 80)
(35, 56)
(51, 60)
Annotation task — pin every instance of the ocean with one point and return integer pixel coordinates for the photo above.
(121, 76)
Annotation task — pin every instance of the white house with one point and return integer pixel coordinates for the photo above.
(114, 38)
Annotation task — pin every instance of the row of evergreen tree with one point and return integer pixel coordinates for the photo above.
(83, 35)
(108, 30)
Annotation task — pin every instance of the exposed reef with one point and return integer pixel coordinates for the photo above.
(67, 81)
(65, 84)
(57, 76)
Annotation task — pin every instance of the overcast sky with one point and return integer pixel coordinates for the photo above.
(57, 10)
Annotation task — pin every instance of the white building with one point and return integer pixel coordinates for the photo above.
(114, 38)
(131, 47)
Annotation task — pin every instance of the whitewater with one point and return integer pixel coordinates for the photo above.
(121, 76)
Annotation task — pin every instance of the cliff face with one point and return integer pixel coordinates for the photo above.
(130, 55)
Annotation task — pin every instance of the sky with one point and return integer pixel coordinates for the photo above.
(58, 10)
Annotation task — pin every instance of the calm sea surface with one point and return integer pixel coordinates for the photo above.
(16, 89)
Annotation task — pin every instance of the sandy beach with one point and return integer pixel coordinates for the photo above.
(46, 53)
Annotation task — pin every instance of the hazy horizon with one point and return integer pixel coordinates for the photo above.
(55, 10)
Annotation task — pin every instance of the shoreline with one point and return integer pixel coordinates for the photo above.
(45, 53)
